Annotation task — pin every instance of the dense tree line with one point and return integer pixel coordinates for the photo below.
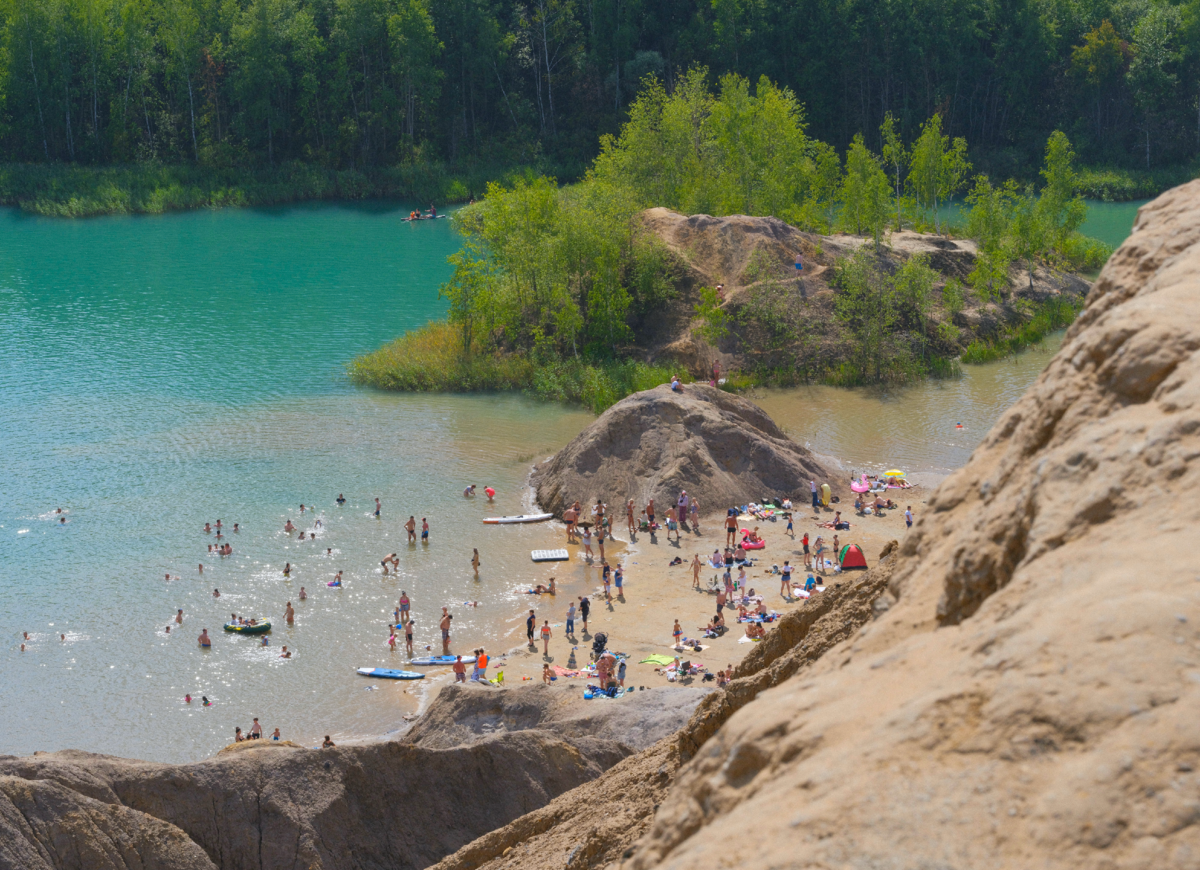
(362, 83)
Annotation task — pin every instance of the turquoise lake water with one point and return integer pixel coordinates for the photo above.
(157, 373)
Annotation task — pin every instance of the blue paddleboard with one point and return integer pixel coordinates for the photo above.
(441, 660)
(389, 674)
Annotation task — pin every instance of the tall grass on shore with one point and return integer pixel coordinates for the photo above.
(1113, 184)
(58, 190)
(1056, 313)
(431, 359)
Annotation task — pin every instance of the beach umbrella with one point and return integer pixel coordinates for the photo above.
(895, 472)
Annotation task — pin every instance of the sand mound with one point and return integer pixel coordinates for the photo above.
(722, 449)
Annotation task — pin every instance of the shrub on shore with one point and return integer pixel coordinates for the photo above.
(1056, 313)
(431, 359)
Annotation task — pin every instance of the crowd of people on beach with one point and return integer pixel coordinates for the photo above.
(742, 548)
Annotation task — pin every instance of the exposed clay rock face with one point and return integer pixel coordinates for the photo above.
(47, 825)
(720, 448)
(465, 714)
(400, 804)
(599, 822)
(1030, 695)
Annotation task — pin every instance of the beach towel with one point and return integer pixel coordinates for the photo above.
(564, 672)
(658, 659)
(744, 639)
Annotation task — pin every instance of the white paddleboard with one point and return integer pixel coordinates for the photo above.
(550, 555)
(523, 518)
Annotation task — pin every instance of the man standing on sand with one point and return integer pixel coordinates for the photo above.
(650, 512)
(785, 579)
(812, 484)
(408, 631)
(571, 619)
(908, 517)
(731, 527)
(720, 599)
(411, 528)
(530, 623)
(546, 637)
(584, 607)
(204, 640)
(629, 518)
(445, 626)
(682, 506)
(696, 571)
(695, 515)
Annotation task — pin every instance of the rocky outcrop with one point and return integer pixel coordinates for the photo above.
(720, 448)
(486, 757)
(465, 714)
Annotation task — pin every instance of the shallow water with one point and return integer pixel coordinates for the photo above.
(912, 428)
(157, 373)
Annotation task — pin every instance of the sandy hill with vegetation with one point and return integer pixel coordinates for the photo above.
(773, 317)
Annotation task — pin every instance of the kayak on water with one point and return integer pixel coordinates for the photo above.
(389, 674)
(522, 518)
(261, 626)
(424, 217)
(441, 660)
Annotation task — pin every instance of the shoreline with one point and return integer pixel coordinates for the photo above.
(666, 593)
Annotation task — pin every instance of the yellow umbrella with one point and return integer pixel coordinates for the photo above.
(893, 473)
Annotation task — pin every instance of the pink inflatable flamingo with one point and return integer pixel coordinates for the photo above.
(862, 485)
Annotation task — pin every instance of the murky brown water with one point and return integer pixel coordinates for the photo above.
(912, 428)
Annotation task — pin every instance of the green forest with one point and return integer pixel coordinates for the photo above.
(484, 85)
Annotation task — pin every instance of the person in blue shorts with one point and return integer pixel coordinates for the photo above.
(424, 530)
(789, 527)
(619, 579)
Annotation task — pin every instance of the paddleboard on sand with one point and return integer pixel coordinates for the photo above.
(550, 555)
(441, 660)
(523, 518)
(389, 674)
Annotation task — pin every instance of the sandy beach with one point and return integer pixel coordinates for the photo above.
(639, 623)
